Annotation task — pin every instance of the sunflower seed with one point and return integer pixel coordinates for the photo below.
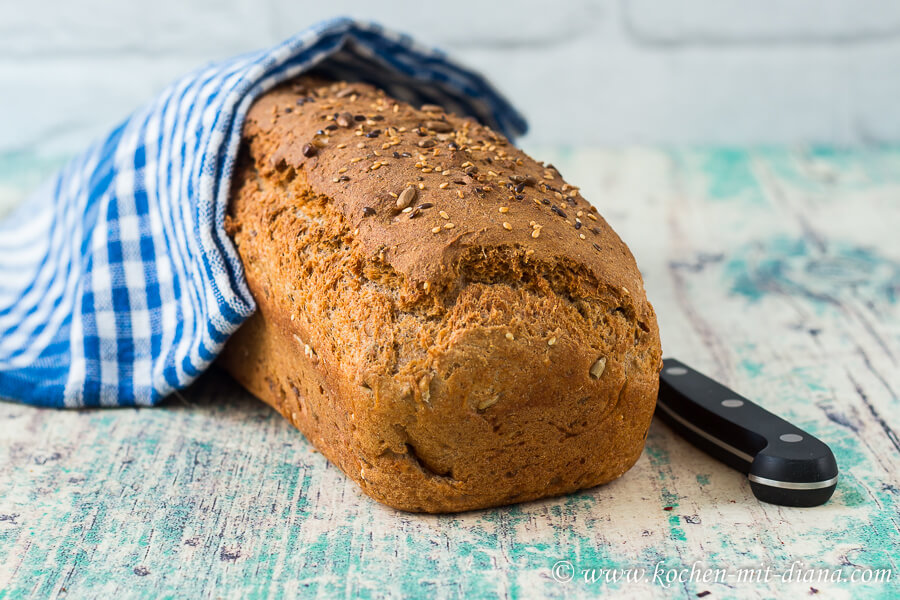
(406, 198)
(344, 119)
(439, 126)
(598, 367)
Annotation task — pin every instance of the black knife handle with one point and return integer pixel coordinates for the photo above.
(785, 465)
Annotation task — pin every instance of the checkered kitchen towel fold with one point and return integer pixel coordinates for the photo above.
(118, 284)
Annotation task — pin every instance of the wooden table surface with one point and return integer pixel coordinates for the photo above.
(776, 271)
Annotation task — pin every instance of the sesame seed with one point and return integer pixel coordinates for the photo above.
(444, 185)
(449, 225)
(551, 341)
(460, 193)
(507, 226)
(435, 229)
(444, 215)
(504, 209)
(536, 233)
(342, 170)
(594, 217)
(510, 336)
(341, 146)
(581, 235)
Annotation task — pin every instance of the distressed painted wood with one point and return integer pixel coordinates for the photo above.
(776, 271)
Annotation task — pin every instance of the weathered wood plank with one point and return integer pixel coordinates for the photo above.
(776, 271)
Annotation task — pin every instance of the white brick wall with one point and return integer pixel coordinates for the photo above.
(583, 71)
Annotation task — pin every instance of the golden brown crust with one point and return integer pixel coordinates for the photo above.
(476, 365)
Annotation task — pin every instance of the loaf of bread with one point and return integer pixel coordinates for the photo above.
(443, 317)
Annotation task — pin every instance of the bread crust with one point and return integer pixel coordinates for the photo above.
(448, 357)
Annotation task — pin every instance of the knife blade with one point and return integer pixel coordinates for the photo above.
(785, 465)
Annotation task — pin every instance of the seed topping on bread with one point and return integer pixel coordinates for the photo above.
(427, 170)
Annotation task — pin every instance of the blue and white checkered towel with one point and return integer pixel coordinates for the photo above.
(118, 283)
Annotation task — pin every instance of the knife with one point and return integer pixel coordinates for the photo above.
(785, 465)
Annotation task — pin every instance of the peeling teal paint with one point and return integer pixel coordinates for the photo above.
(727, 174)
(787, 266)
(752, 368)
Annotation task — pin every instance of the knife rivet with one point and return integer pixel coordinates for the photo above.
(676, 371)
(791, 437)
(732, 403)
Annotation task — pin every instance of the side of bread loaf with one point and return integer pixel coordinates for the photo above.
(443, 317)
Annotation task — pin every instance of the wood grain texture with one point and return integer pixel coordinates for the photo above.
(775, 271)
